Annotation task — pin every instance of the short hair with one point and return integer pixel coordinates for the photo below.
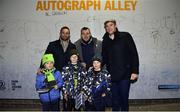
(85, 28)
(112, 21)
(64, 27)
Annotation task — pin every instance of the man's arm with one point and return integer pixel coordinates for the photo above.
(134, 57)
(104, 53)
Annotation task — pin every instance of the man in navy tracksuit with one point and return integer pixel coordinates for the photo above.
(121, 58)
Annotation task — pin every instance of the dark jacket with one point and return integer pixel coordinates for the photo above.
(61, 58)
(120, 56)
(69, 74)
(97, 84)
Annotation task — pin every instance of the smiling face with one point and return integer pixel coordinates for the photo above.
(97, 65)
(65, 34)
(74, 59)
(85, 35)
(110, 27)
(49, 65)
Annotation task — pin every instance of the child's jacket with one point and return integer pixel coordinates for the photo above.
(74, 77)
(97, 84)
(53, 94)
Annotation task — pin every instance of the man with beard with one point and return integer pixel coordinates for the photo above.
(61, 48)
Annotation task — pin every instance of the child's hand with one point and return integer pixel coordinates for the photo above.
(103, 95)
(83, 64)
(89, 99)
(66, 97)
(108, 89)
(55, 87)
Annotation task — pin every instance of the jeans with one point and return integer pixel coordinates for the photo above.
(51, 106)
(120, 95)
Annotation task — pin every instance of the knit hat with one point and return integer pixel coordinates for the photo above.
(73, 52)
(47, 58)
(97, 57)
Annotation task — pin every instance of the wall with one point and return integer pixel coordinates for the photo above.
(25, 34)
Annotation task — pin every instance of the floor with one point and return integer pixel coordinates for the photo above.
(134, 105)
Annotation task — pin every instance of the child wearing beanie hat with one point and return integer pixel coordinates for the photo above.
(48, 84)
(73, 75)
(98, 80)
(97, 57)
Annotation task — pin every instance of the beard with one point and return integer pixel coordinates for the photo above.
(64, 39)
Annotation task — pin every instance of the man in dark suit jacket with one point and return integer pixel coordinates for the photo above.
(61, 48)
(121, 59)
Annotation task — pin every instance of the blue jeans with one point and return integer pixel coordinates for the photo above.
(120, 95)
(99, 104)
(51, 106)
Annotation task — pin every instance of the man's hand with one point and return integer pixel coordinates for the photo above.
(134, 76)
(39, 71)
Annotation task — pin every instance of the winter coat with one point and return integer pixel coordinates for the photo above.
(69, 74)
(97, 84)
(120, 56)
(52, 94)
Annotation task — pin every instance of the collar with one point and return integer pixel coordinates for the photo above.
(90, 40)
(62, 41)
(112, 37)
(107, 34)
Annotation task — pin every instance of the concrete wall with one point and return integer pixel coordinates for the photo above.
(25, 34)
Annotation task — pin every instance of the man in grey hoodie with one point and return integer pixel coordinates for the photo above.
(87, 47)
